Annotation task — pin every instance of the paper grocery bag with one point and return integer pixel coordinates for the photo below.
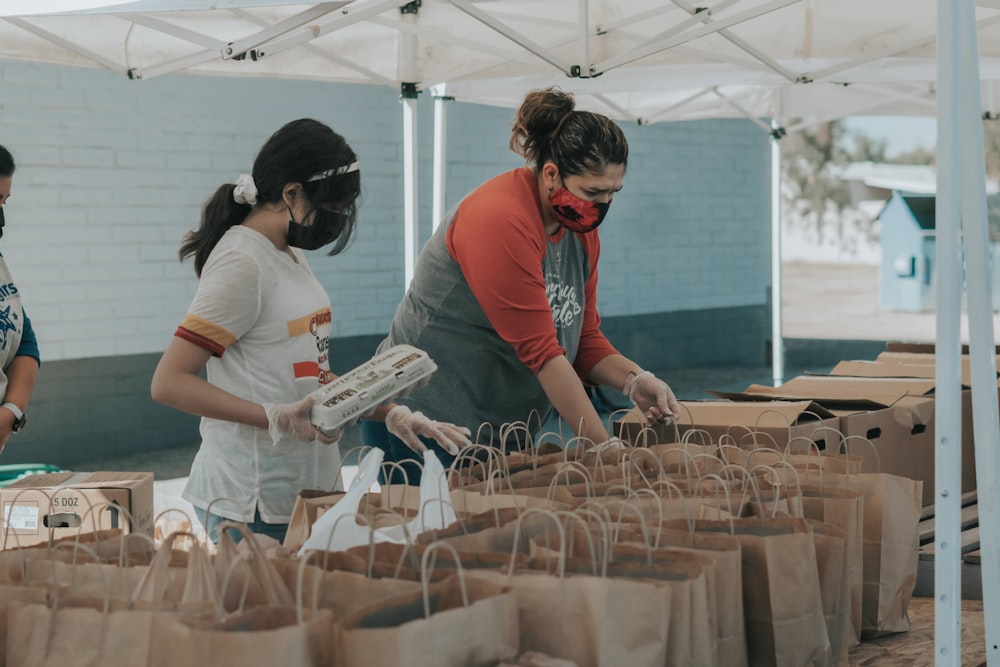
(834, 589)
(690, 580)
(843, 508)
(341, 592)
(591, 621)
(724, 550)
(458, 621)
(286, 636)
(80, 636)
(782, 604)
(16, 593)
(891, 546)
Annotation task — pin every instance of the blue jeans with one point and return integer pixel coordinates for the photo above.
(375, 434)
(211, 523)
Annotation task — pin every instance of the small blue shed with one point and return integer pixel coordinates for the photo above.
(908, 233)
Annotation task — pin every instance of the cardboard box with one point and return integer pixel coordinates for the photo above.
(895, 414)
(900, 368)
(921, 348)
(777, 421)
(915, 362)
(65, 504)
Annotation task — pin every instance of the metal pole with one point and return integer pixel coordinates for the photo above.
(947, 394)
(440, 157)
(982, 351)
(406, 65)
(410, 217)
(777, 337)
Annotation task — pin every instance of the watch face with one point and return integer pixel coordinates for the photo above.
(19, 424)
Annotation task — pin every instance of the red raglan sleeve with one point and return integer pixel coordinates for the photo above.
(498, 242)
(593, 344)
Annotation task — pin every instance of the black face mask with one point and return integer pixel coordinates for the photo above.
(326, 228)
(1, 221)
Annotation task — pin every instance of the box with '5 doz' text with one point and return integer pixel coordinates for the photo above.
(55, 505)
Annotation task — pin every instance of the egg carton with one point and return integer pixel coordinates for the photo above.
(390, 374)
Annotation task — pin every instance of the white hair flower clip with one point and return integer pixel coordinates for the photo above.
(245, 191)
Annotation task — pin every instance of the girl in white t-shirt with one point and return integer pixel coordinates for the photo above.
(259, 328)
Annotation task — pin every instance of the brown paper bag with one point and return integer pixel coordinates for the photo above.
(458, 621)
(724, 550)
(284, 636)
(891, 546)
(108, 546)
(80, 636)
(341, 592)
(590, 620)
(843, 508)
(245, 575)
(690, 580)
(781, 594)
(16, 593)
(831, 562)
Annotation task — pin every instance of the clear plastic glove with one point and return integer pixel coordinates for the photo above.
(291, 420)
(408, 425)
(608, 445)
(655, 398)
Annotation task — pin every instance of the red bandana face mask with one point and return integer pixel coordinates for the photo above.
(575, 214)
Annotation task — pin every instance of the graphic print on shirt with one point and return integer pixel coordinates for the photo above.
(316, 325)
(7, 325)
(563, 300)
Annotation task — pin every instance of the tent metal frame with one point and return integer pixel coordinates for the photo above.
(961, 212)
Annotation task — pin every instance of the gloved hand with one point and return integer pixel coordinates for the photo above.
(653, 396)
(608, 445)
(407, 425)
(291, 420)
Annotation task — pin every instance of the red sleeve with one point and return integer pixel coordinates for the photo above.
(593, 345)
(498, 241)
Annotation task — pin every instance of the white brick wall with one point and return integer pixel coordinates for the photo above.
(113, 172)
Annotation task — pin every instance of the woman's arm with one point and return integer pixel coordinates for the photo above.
(652, 396)
(177, 382)
(21, 376)
(565, 390)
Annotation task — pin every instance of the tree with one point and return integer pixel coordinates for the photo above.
(810, 184)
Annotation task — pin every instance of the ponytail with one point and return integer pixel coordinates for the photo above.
(549, 128)
(218, 214)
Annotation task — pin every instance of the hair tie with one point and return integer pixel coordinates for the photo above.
(245, 191)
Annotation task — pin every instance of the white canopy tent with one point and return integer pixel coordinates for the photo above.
(642, 60)
(801, 61)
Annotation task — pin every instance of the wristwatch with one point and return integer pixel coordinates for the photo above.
(19, 419)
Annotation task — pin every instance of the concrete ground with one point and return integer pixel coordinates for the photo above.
(821, 303)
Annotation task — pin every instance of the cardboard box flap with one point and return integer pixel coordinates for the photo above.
(839, 391)
(770, 414)
(897, 370)
(82, 480)
(922, 348)
(923, 359)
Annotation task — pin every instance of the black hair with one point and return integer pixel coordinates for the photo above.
(295, 153)
(548, 127)
(6, 163)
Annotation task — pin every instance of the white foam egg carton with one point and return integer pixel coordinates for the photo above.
(387, 375)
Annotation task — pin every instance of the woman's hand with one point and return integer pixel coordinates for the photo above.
(408, 426)
(291, 420)
(654, 397)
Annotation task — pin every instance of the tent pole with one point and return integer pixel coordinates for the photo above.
(407, 58)
(982, 351)
(440, 155)
(410, 219)
(777, 337)
(947, 392)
